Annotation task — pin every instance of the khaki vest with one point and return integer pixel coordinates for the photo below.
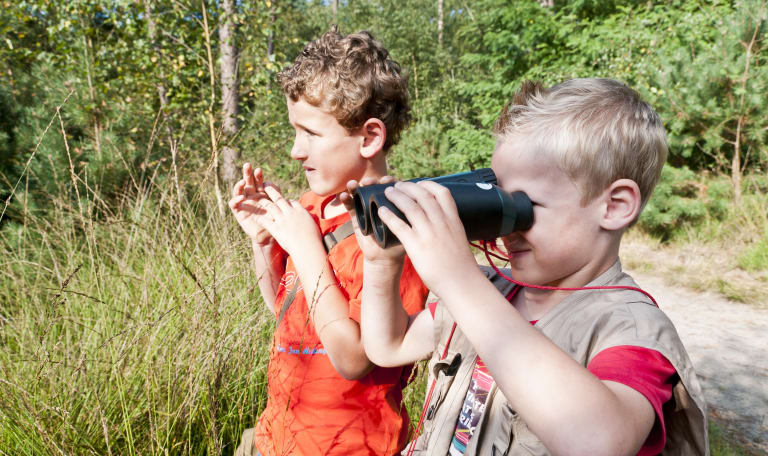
(582, 325)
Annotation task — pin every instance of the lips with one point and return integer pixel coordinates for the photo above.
(515, 249)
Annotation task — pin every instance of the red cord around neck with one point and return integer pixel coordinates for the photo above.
(488, 255)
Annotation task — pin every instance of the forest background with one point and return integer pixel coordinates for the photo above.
(130, 322)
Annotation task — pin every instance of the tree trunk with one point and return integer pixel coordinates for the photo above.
(230, 96)
(736, 163)
(440, 23)
(271, 35)
(335, 9)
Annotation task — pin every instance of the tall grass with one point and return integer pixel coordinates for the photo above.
(133, 331)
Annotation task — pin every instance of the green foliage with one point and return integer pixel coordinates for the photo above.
(682, 200)
(418, 151)
(755, 258)
(717, 109)
(469, 148)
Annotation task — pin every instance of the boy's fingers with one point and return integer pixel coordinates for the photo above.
(395, 224)
(258, 177)
(387, 179)
(407, 205)
(248, 173)
(422, 197)
(276, 197)
(267, 213)
(347, 201)
(266, 184)
(368, 181)
(352, 186)
(444, 200)
(233, 203)
(238, 188)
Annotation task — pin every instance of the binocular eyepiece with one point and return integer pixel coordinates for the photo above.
(485, 210)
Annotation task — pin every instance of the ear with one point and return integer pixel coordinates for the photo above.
(374, 134)
(621, 202)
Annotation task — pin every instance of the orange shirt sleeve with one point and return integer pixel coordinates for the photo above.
(413, 292)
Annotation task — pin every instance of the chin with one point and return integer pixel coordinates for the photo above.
(324, 190)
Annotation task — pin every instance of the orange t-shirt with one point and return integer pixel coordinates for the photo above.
(311, 409)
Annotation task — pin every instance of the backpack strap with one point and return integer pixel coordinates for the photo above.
(330, 241)
(339, 234)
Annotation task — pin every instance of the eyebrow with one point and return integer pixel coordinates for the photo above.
(304, 127)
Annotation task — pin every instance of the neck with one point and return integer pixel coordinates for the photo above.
(376, 170)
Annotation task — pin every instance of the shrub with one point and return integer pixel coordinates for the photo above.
(675, 203)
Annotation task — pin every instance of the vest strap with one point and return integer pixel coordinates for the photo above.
(339, 234)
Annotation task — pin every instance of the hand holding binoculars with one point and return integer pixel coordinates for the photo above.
(485, 210)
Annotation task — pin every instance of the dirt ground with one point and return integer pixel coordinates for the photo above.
(728, 344)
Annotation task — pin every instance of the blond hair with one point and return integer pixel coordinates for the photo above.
(597, 130)
(354, 79)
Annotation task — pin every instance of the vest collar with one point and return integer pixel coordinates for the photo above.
(611, 276)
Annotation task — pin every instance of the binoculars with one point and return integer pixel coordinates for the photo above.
(485, 210)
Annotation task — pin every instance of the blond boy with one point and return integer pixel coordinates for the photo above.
(348, 103)
(522, 370)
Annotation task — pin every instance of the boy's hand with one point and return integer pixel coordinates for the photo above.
(435, 240)
(246, 195)
(372, 252)
(289, 223)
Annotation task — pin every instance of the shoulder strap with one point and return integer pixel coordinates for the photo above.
(330, 241)
(339, 234)
(503, 285)
(288, 301)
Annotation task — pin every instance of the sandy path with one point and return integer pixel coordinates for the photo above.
(728, 343)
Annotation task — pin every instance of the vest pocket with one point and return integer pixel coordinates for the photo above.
(500, 426)
(444, 373)
(524, 441)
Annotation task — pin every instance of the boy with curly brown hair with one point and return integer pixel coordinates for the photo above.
(348, 103)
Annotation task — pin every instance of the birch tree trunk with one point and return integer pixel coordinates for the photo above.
(230, 97)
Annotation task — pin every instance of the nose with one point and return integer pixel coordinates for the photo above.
(298, 152)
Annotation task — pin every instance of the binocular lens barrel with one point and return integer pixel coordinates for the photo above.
(362, 196)
(485, 210)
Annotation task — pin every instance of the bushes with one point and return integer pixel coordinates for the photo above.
(684, 199)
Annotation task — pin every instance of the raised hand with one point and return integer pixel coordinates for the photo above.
(288, 222)
(435, 239)
(372, 252)
(246, 195)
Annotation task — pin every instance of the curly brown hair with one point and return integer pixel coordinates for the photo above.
(353, 78)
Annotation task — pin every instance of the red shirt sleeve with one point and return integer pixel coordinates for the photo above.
(646, 371)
